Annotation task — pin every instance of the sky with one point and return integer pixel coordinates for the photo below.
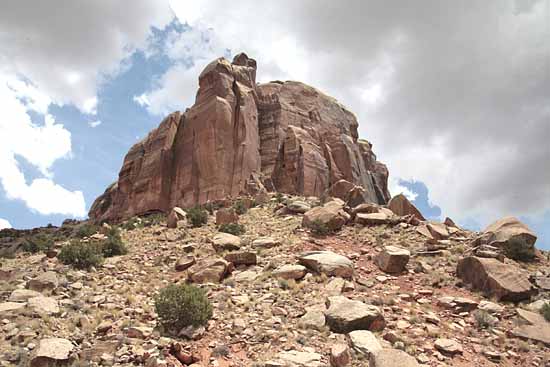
(454, 96)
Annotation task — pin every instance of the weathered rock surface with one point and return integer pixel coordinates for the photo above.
(534, 327)
(226, 216)
(345, 315)
(327, 262)
(392, 358)
(209, 271)
(52, 352)
(512, 235)
(289, 271)
(176, 214)
(401, 206)
(392, 259)
(331, 214)
(505, 282)
(364, 342)
(44, 282)
(225, 241)
(297, 138)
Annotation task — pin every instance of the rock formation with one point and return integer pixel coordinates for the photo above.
(238, 137)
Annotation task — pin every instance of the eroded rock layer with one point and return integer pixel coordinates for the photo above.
(292, 136)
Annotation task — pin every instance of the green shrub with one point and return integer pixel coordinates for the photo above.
(240, 207)
(279, 197)
(86, 230)
(37, 243)
(133, 223)
(152, 219)
(113, 245)
(318, 227)
(197, 216)
(81, 255)
(212, 206)
(181, 305)
(483, 319)
(517, 249)
(232, 228)
(545, 311)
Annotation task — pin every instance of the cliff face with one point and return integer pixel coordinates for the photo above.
(289, 135)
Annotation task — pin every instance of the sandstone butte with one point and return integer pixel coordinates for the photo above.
(240, 137)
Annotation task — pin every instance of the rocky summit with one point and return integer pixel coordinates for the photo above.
(256, 229)
(242, 137)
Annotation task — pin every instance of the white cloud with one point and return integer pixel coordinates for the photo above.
(69, 48)
(454, 98)
(142, 100)
(39, 145)
(94, 123)
(4, 224)
(396, 188)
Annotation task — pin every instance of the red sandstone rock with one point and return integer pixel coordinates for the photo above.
(240, 137)
(401, 206)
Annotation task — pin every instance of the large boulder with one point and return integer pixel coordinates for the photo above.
(392, 259)
(176, 214)
(52, 352)
(505, 282)
(209, 271)
(226, 216)
(364, 342)
(401, 206)
(45, 282)
(513, 236)
(332, 215)
(345, 315)
(533, 327)
(225, 242)
(327, 262)
(297, 139)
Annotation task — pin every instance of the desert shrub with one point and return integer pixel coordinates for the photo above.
(132, 223)
(181, 305)
(37, 243)
(113, 245)
(212, 206)
(81, 255)
(232, 228)
(197, 216)
(240, 207)
(545, 311)
(86, 230)
(518, 249)
(153, 219)
(319, 228)
(483, 319)
(279, 197)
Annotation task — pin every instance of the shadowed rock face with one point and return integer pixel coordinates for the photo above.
(294, 137)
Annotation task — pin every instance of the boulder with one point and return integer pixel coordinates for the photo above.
(7, 307)
(505, 282)
(392, 358)
(265, 242)
(327, 262)
(296, 138)
(44, 305)
(289, 271)
(345, 315)
(226, 216)
(372, 219)
(392, 259)
(532, 327)
(438, 230)
(184, 263)
(448, 346)
(298, 207)
(52, 352)
(401, 206)
(313, 319)
(23, 295)
(364, 342)
(225, 242)
(176, 214)
(45, 282)
(339, 355)
(331, 214)
(209, 271)
(242, 258)
(513, 236)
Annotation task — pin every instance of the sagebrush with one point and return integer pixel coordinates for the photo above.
(197, 216)
(232, 228)
(182, 305)
(81, 255)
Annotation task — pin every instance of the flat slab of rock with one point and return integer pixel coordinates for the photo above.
(364, 342)
(505, 282)
(23, 295)
(209, 271)
(327, 262)
(52, 352)
(184, 263)
(345, 315)
(448, 346)
(225, 242)
(6, 307)
(294, 358)
(372, 219)
(290, 271)
(392, 358)
(313, 319)
(392, 259)
(535, 327)
(298, 207)
(438, 230)
(265, 242)
(45, 305)
(242, 258)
